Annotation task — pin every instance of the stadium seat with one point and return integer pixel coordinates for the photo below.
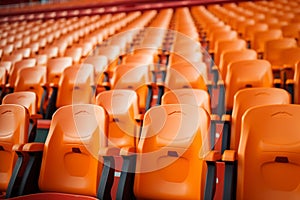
(264, 174)
(99, 63)
(245, 99)
(14, 72)
(75, 87)
(75, 53)
(227, 45)
(246, 73)
(134, 77)
(219, 36)
(233, 56)
(13, 58)
(25, 98)
(56, 169)
(30, 101)
(291, 30)
(251, 29)
(273, 49)
(24, 51)
(261, 37)
(55, 67)
(14, 120)
(32, 79)
(181, 75)
(190, 96)
(123, 133)
(112, 53)
(6, 64)
(169, 144)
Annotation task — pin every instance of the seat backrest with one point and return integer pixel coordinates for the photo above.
(25, 98)
(249, 97)
(227, 45)
(112, 53)
(268, 161)
(289, 57)
(14, 122)
(75, 85)
(13, 58)
(246, 73)
(251, 29)
(138, 58)
(70, 159)
(273, 49)
(6, 64)
(99, 63)
(13, 74)
(174, 139)
(134, 77)
(31, 79)
(121, 106)
(184, 75)
(75, 53)
(55, 67)
(189, 96)
(221, 35)
(233, 56)
(261, 37)
(291, 30)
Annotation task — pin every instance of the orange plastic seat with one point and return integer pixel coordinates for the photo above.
(250, 97)
(174, 138)
(24, 51)
(87, 48)
(291, 30)
(273, 49)
(75, 135)
(189, 96)
(32, 79)
(13, 58)
(55, 67)
(121, 106)
(261, 37)
(112, 53)
(14, 121)
(75, 53)
(182, 75)
(219, 36)
(265, 173)
(251, 29)
(138, 58)
(6, 64)
(227, 45)
(13, 74)
(8, 49)
(25, 98)
(123, 132)
(289, 57)
(134, 77)
(41, 59)
(50, 51)
(233, 56)
(99, 63)
(74, 87)
(246, 73)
